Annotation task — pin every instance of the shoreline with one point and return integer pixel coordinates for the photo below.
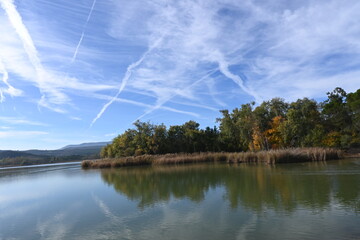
(41, 165)
(291, 155)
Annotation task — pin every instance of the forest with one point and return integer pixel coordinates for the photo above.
(273, 124)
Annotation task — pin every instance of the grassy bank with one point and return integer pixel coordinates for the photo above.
(270, 157)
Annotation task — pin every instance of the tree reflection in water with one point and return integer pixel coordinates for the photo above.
(255, 186)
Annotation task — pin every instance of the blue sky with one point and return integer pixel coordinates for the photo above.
(83, 71)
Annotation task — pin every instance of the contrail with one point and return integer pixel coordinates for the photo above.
(125, 79)
(144, 104)
(30, 49)
(23, 33)
(16, 21)
(83, 32)
(224, 69)
(161, 103)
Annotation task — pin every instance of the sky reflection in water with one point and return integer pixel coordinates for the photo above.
(294, 201)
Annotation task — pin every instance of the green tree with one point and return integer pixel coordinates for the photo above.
(158, 143)
(192, 136)
(353, 105)
(336, 111)
(176, 139)
(229, 133)
(338, 121)
(302, 118)
(272, 124)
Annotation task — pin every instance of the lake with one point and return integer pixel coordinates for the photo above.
(203, 201)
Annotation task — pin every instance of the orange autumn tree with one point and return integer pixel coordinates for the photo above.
(273, 134)
(257, 142)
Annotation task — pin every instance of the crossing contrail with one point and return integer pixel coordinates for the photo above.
(125, 79)
(163, 101)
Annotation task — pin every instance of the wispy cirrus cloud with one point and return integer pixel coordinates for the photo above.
(20, 121)
(21, 56)
(111, 134)
(79, 57)
(9, 89)
(161, 102)
(30, 49)
(21, 134)
(125, 79)
(267, 50)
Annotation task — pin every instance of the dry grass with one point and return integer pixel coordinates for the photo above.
(270, 157)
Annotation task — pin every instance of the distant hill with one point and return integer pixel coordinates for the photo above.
(86, 145)
(14, 154)
(84, 149)
(64, 154)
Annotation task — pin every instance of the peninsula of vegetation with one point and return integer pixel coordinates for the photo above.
(274, 132)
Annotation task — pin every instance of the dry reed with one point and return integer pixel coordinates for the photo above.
(290, 155)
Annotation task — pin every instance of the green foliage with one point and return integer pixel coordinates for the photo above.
(272, 124)
(353, 104)
(336, 111)
(302, 119)
(149, 138)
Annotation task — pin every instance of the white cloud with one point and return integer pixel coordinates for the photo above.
(20, 121)
(75, 118)
(111, 134)
(281, 49)
(21, 57)
(125, 79)
(9, 89)
(284, 48)
(20, 134)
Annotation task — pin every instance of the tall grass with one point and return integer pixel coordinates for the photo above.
(270, 157)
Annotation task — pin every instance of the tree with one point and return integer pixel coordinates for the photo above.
(176, 139)
(265, 115)
(353, 105)
(158, 142)
(245, 123)
(336, 111)
(338, 121)
(192, 136)
(301, 119)
(273, 134)
(229, 134)
(210, 139)
(272, 124)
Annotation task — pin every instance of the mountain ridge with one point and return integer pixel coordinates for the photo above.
(74, 152)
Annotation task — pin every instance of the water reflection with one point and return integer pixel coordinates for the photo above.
(314, 186)
(305, 201)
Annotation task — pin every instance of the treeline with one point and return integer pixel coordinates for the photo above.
(27, 160)
(273, 124)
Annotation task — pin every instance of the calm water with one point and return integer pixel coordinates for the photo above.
(294, 201)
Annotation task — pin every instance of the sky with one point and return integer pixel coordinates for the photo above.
(85, 70)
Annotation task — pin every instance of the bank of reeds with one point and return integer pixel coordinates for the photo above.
(291, 155)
